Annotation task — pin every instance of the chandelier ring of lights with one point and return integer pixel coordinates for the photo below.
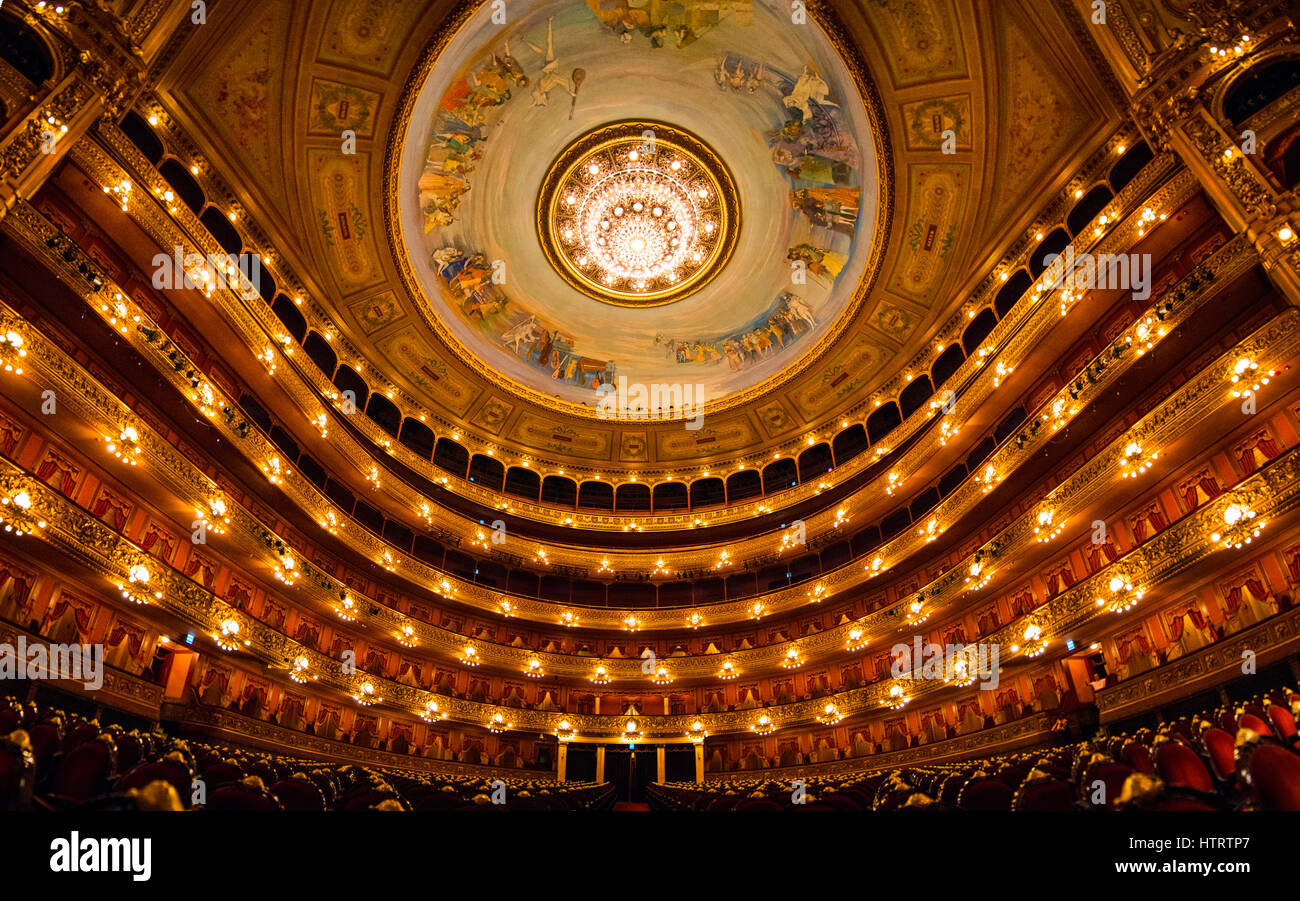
(638, 213)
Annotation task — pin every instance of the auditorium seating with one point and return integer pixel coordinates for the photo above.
(1189, 764)
(57, 761)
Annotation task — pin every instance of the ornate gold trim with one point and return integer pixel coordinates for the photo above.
(824, 16)
(608, 138)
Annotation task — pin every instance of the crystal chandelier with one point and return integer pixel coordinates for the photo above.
(638, 214)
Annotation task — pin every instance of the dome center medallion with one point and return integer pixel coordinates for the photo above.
(638, 213)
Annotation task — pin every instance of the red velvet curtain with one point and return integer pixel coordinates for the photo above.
(1234, 600)
(1126, 647)
(21, 586)
(134, 639)
(1176, 628)
(223, 679)
(1266, 446)
(82, 615)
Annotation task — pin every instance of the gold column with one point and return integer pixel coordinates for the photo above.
(101, 74)
(1180, 111)
(662, 764)
(600, 763)
(699, 762)
(562, 762)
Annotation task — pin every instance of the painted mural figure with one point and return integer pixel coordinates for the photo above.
(551, 77)
(823, 263)
(833, 208)
(809, 86)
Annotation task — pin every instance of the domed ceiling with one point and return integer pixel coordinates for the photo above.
(884, 156)
(724, 236)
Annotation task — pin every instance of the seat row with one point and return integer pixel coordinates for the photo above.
(57, 761)
(1243, 758)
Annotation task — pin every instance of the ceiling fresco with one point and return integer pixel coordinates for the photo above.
(857, 239)
(771, 99)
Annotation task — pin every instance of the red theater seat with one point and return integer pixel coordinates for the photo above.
(1220, 747)
(1139, 757)
(1283, 722)
(297, 794)
(1273, 773)
(986, 795)
(173, 771)
(84, 772)
(1111, 774)
(1044, 794)
(1178, 764)
(1254, 724)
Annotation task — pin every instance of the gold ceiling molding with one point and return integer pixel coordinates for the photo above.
(1230, 260)
(824, 15)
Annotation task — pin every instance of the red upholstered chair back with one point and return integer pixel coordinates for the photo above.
(950, 789)
(1220, 747)
(985, 794)
(1254, 724)
(1138, 756)
(768, 804)
(1044, 794)
(367, 798)
(298, 794)
(221, 774)
(1113, 775)
(1178, 764)
(1282, 721)
(84, 772)
(45, 741)
(79, 735)
(1228, 722)
(1274, 774)
(238, 796)
(175, 772)
(17, 776)
(129, 751)
(9, 720)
